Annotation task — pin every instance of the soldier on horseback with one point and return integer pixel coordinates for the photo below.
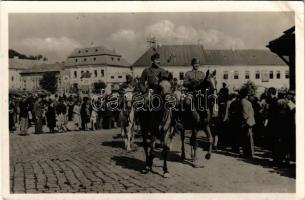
(150, 120)
(196, 81)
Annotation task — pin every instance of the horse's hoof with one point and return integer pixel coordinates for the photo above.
(146, 170)
(195, 164)
(208, 156)
(166, 175)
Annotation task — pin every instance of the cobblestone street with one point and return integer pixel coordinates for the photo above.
(94, 162)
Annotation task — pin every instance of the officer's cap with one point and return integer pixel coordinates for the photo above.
(195, 61)
(155, 56)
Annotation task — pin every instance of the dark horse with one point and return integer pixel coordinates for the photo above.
(195, 118)
(156, 123)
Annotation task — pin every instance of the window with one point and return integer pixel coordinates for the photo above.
(79, 51)
(76, 60)
(75, 74)
(102, 73)
(112, 77)
(82, 72)
(225, 75)
(120, 77)
(12, 78)
(111, 58)
(181, 75)
(271, 74)
(86, 51)
(95, 73)
(94, 59)
(247, 75)
(236, 75)
(96, 49)
(257, 75)
(287, 74)
(85, 59)
(119, 59)
(278, 75)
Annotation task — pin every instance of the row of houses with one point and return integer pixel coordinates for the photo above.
(85, 66)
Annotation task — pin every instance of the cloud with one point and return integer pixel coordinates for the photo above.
(59, 48)
(128, 35)
(167, 32)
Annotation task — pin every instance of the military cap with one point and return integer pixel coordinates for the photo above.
(155, 56)
(195, 61)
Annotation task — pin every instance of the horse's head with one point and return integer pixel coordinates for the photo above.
(209, 83)
(165, 83)
(128, 99)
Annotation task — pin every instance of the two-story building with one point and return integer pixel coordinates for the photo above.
(234, 67)
(85, 66)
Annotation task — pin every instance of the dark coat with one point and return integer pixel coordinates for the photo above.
(51, 117)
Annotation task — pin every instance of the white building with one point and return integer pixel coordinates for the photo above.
(86, 66)
(233, 67)
(16, 66)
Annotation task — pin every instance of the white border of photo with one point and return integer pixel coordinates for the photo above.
(148, 6)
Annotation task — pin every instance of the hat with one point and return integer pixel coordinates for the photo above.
(195, 61)
(128, 77)
(155, 56)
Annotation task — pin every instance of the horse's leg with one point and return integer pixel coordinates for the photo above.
(165, 169)
(210, 137)
(193, 142)
(123, 136)
(182, 136)
(130, 130)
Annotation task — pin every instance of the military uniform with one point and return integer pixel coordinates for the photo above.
(151, 76)
(192, 80)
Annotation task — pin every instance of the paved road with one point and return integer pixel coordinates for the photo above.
(94, 162)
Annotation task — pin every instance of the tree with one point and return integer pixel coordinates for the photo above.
(98, 86)
(49, 82)
(251, 87)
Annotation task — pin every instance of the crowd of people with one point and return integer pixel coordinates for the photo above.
(54, 113)
(243, 120)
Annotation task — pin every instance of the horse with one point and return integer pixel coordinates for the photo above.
(157, 124)
(127, 119)
(195, 120)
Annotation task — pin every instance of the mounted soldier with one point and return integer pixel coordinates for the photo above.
(154, 122)
(195, 117)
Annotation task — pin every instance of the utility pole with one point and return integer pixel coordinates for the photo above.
(152, 42)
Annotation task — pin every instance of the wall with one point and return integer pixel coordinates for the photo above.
(14, 79)
(234, 83)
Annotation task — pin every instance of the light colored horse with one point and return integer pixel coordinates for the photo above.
(127, 120)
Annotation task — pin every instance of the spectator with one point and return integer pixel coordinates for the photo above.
(24, 116)
(38, 111)
(51, 116)
(248, 122)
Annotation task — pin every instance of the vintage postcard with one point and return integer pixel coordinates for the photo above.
(152, 100)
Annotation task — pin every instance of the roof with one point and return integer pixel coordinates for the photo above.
(285, 44)
(181, 55)
(44, 68)
(92, 51)
(95, 56)
(22, 64)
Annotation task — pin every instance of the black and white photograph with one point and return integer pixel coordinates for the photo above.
(152, 102)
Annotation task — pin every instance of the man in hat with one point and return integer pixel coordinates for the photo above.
(150, 76)
(150, 121)
(248, 121)
(192, 81)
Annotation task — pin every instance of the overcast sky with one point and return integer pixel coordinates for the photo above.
(56, 35)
